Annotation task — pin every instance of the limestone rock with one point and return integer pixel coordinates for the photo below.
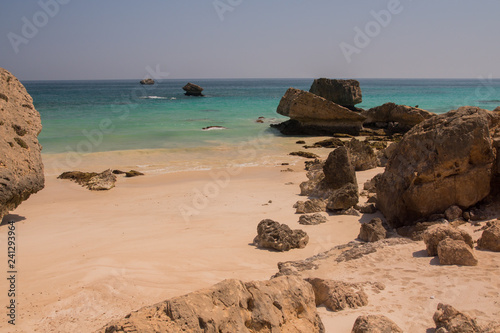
(21, 167)
(362, 155)
(443, 161)
(342, 92)
(305, 154)
(192, 89)
(313, 115)
(328, 143)
(453, 213)
(416, 232)
(343, 198)
(280, 237)
(454, 321)
(490, 239)
(91, 180)
(148, 81)
(312, 219)
(436, 233)
(455, 252)
(375, 324)
(372, 231)
(310, 206)
(338, 295)
(338, 169)
(133, 173)
(283, 304)
(404, 116)
(366, 208)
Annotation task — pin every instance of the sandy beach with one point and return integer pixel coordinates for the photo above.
(86, 258)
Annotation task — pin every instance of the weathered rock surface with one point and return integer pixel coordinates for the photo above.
(313, 115)
(372, 231)
(436, 233)
(283, 304)
(443, 161)
(92, 180)
(362, 155)
(310, 206)
(328, 143)
(453, 213)
(339, 170)
(416, 232)
(455, 252)
(454, 321)
(375, 324)
(273, 235)
(133, 173)
(312, 219)
(366, 208)
(398, 118)
(338, 295)
(342, 92)
(305, 154)
(148, 81)
(490, 239)
(21, 167)
(343, 198)
(192, 89)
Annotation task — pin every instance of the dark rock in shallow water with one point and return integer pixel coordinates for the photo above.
(211, 128)
(148, 81)
(342, 92)
(21, 167)
(192, 89)
(313, 115)
(304, 154)
(93, 181)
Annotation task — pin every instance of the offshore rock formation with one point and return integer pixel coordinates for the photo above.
(444, 161)
(148, 81)
(346, 93)
(314, 115)
(283, 304)
(192, 90)
(21, 167)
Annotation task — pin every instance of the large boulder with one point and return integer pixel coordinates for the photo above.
(375, 324)
(444, 161)
(21, 167)
(454, 321)
(338, 295)
(276, 236)
(192, 89)
(362, 155)
(283, 304)
(342, 92)
(397, 118)
(372, 231)
(438, 232)
(313, 115)
(455, 252)
(490, 239)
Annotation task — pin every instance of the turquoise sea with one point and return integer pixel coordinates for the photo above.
(100, 116)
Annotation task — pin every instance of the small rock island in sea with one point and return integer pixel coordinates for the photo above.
(193, 89)
(148, 81)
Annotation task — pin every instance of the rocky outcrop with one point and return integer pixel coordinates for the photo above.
(21, 167)
(346, 93)
(395, 118)
(436, 233)
(338, 295)
(313, 115)
(312, 219)
(92, 180)
(454, 321)
(375, 324)
(444, 161)
(336, 183)
(148, 81)
(192, 89)
(283, 304)
(490, 239)
(372, 231)
(310, 206)
(362, 155)
(273, 235)
(455, 252)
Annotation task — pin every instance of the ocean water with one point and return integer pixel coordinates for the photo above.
(101, 116)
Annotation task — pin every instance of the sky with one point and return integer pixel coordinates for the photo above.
(122, 39)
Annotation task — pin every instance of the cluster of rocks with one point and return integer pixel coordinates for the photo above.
(21, 167)
(329, 107)
(94, 181)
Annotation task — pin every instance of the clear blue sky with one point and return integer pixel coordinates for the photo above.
(118, 39)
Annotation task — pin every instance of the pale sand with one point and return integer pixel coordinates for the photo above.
(85, 258)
